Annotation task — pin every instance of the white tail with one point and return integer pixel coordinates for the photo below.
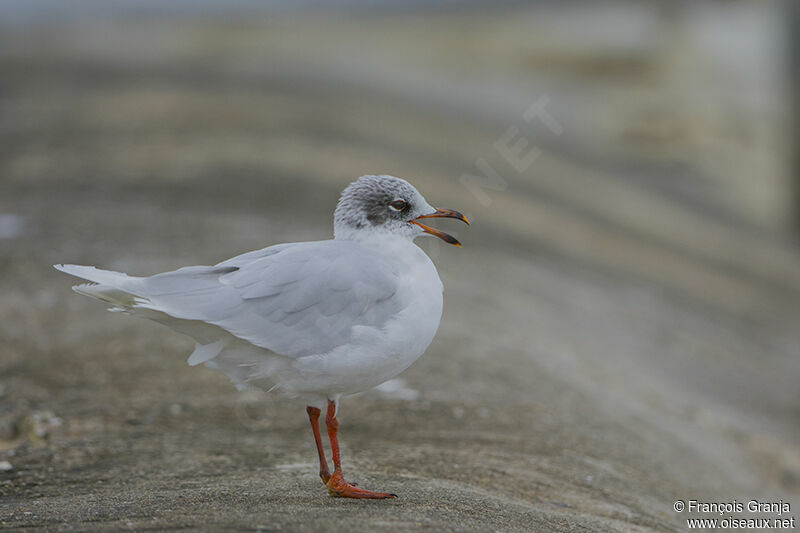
(127, 294)
(108, 286)
(105, 277)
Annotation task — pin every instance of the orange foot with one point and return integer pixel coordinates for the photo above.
(339, 488)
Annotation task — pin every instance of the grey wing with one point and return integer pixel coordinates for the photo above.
(295, 300)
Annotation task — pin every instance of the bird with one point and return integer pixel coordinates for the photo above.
(314, 321)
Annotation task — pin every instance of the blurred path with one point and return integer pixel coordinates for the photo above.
(607, 346)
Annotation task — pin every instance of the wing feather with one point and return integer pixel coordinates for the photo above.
(295, 300)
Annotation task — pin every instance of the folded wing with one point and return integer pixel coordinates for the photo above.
(295, 300)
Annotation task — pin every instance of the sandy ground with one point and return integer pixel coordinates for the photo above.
(606, 348)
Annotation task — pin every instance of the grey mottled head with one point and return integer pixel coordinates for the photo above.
(385, 204)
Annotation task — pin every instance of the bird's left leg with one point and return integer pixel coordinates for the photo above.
(313, 416)
(337, 486)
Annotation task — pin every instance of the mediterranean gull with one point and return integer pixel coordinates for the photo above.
(313, 321)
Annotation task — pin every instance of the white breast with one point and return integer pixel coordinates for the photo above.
(414, 328)
(375, 356)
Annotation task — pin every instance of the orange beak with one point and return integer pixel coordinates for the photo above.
(441, 213)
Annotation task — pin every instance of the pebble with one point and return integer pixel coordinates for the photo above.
(5, 466)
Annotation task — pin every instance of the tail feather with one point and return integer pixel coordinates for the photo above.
(107, 277)
(115, 288)
(126, 294)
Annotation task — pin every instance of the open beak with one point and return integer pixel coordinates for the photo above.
(441, 213)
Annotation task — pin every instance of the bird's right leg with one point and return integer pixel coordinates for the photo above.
(313, 416)
(337, 486)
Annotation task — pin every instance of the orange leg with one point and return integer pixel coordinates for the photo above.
(337, 486)
(313, 416)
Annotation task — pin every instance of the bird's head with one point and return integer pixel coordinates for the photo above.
(387, 204)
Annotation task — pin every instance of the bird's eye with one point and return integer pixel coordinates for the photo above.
(398, 205)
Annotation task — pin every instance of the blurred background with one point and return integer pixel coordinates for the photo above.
(620, 328)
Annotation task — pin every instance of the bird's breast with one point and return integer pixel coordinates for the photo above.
(412, 330)
(377, 354)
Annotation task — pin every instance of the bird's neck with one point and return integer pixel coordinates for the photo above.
(375, 237)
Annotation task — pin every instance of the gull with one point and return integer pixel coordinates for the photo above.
(314, 321)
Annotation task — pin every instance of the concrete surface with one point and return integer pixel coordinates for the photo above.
(606, 347)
